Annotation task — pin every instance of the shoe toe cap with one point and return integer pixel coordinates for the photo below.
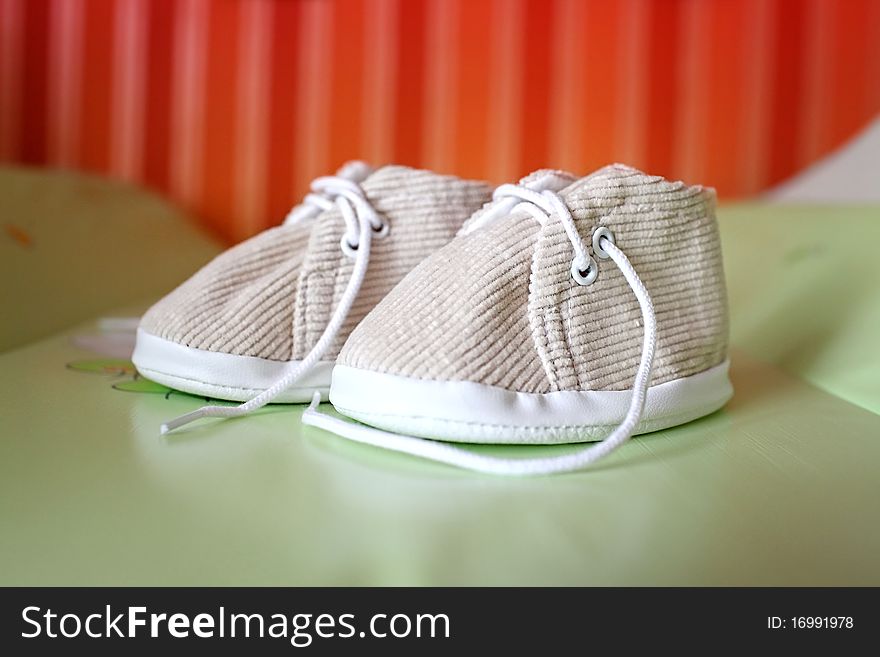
(461, 315)
(241, 303)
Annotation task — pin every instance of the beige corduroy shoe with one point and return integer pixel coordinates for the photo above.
(265, 320)
(590, 314)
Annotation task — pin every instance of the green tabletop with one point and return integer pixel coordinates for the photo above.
(780, 487)
(804, 287)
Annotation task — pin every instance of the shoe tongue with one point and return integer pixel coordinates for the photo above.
(552, 179)
(405, 194)
(613, 183)
(355, 170)
(396, 180)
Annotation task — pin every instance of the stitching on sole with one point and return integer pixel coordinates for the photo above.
(147, 371)
(701, 410)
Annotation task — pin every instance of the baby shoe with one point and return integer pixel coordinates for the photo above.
(594, 313)
(265, 320)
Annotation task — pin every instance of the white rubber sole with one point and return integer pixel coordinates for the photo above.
(221, 376)
(461, 411)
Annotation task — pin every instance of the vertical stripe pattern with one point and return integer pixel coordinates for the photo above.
(230, 107)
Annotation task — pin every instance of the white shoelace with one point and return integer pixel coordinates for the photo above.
(542, 206)
(362, 223)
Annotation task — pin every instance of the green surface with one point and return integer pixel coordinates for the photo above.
(805, 293)
(780, 487)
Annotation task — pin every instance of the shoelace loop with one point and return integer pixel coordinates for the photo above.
(543, 205)
(362, 223)
(347, 195)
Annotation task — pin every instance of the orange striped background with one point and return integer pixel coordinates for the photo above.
(230, 107)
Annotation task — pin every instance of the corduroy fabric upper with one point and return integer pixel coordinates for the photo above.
(498, 306)
(271, 296)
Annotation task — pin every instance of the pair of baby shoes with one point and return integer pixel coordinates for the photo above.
(435, 310)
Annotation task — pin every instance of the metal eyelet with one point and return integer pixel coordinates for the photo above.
(347, 247)
(584, 276)
(382, 230)
(598, 234)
